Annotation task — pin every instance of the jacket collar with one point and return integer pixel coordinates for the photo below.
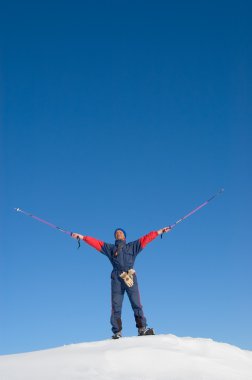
(120, 243)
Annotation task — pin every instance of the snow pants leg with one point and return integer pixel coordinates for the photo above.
(134, 297)
(117, 294)
(118, 288)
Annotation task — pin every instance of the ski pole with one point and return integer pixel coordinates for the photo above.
(45, 222)
(196, 209)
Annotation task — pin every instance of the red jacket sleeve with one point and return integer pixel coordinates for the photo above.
(97, 244)
(148, 238)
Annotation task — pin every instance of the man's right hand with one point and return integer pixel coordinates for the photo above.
(77, 236)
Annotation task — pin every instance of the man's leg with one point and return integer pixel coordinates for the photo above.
(117, 293)
(134, 297)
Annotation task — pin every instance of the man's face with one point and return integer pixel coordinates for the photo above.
(120, 235)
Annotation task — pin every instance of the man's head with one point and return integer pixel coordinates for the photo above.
(120, 234)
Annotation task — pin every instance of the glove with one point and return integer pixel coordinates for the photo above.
(128, 277)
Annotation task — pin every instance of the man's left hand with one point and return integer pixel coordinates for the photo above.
(164, 230)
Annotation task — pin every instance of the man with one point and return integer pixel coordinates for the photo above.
(122, 256)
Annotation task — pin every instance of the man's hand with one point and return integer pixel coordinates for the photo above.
(164, 230)
(77, 236)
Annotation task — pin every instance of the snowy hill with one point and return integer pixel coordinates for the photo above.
(165, 357)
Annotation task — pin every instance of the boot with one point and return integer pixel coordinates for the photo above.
(142, 331)
(117, 335)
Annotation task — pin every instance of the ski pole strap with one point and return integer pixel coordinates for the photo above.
(78, 239)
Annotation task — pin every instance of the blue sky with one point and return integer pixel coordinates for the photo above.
(125, 114)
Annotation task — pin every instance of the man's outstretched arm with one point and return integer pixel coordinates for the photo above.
(141, 243)
(97, 244)
(152, 235)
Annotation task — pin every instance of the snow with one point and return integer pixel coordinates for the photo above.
(160, 357)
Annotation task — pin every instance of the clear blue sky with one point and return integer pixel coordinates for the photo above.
(125, 113)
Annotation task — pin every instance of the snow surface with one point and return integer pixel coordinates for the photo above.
(136, 358)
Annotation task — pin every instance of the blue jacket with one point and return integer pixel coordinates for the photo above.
(122, 255)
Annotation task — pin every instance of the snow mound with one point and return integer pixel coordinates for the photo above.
(160, 357)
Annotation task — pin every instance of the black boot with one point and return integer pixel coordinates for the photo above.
(142, 331)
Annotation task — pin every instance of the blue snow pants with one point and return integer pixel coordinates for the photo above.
(118, 288)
